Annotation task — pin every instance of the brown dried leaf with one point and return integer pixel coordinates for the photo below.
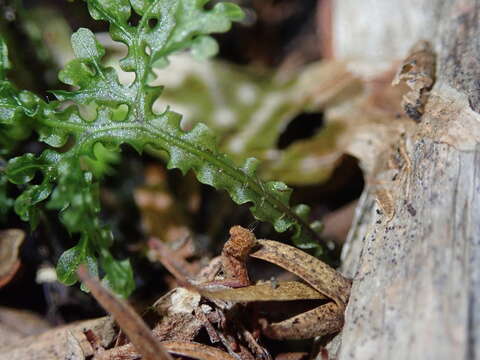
(323, 320)
(10, 241)
(126, 317)
(372, 122)
(418, 73)
(268, 291)
(321, 85)
(363, 118)
(234, 255)
(315, 272)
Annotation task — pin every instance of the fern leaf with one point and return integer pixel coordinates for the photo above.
(123, 114)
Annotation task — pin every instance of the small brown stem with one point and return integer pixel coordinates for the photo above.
(129, 321)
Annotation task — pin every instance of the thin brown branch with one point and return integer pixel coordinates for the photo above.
(126, 317)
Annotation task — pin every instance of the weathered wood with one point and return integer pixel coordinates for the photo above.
(416, 277)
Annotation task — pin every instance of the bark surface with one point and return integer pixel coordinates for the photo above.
(416, 272)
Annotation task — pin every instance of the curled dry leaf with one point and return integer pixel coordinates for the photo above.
(10, 241)
(268, 291)
(234, 255)
(362, 118)
(322, 85)
(233, 260)
(320, 321)
(325, 284)
(418, 73)
(319, 275)
(372, 122)
(128, 320)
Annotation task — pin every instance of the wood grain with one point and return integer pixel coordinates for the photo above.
(416, 278)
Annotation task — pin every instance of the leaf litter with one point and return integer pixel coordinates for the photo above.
(209, 301)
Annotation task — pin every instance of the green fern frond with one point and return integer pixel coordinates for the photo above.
(123, 114)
